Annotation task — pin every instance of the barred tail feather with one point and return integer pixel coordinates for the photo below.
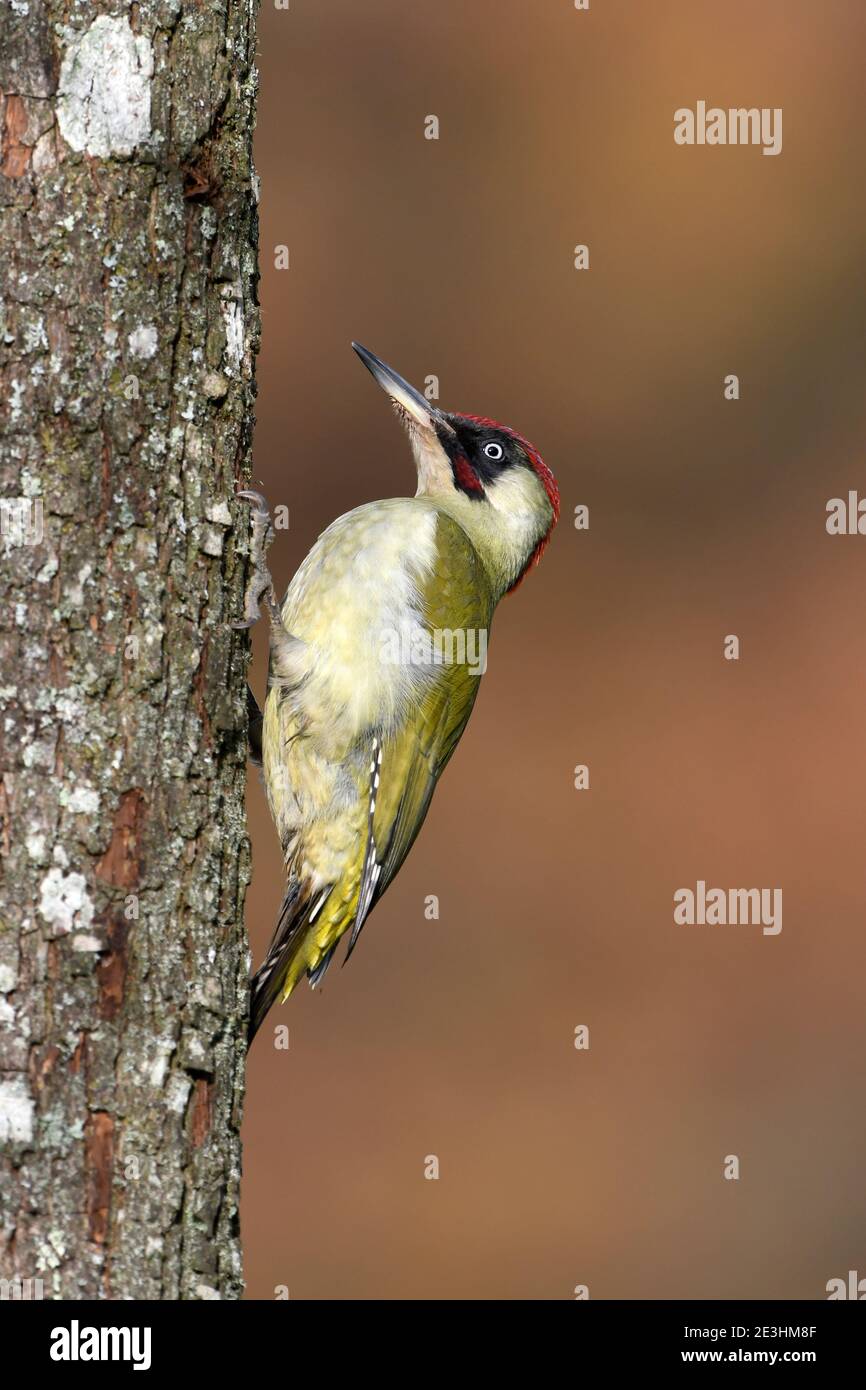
(297, 913)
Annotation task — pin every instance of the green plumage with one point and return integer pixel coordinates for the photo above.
(414, 757)
(407, 753)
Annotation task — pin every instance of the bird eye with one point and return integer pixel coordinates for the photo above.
(493, 451)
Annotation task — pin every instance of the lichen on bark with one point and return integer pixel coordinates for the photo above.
(128, 331)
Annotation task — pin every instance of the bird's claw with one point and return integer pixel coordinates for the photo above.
(250, 495)
(260, 585)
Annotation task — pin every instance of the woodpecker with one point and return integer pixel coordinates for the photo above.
(375, 663)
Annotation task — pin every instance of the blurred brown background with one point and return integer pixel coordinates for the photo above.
(455, 1037)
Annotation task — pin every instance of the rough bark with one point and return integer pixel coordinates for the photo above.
(129, 327)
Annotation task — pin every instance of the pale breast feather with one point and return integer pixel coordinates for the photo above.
(355, 602)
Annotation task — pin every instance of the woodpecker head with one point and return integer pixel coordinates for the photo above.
(487, 476)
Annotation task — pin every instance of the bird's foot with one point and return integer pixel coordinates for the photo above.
(259, 585)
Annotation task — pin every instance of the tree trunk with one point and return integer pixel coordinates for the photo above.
(128, 241)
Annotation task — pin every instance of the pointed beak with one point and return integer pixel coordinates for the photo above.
(425, 425)
(410, 405)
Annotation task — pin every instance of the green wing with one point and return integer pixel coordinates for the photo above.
(407, 765)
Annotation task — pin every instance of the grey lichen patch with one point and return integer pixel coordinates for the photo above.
(211, 541)
(143, 341)
(103, 104)
(17, 1111)
(233, 321)
(215, 386)
(64, 901)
